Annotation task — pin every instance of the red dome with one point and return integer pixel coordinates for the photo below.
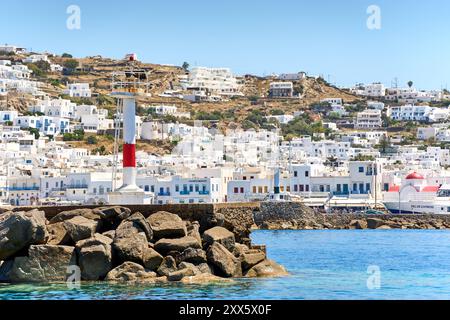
(414, 176)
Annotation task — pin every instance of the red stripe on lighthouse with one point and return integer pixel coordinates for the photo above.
(129, 155)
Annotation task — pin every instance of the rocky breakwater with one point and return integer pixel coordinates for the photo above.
(296, 216)
(114, 244)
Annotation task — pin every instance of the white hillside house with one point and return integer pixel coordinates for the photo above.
(80, 90)
(368, 119)
(213, 80)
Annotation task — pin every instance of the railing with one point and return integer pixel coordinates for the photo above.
(79, 186)
(161, 194)
(22, 188)
(203, 192)
(185, 192)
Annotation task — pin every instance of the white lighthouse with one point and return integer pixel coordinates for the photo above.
(125, 87)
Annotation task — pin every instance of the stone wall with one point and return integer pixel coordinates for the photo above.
(296, 216)
(237, 217)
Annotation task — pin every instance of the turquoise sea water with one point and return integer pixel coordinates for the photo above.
(413, 264)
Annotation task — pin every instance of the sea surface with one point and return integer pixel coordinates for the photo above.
(368, 264)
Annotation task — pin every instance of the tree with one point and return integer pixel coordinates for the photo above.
(77, 135)
(70, 65)
(100, 150)
(185, 66)
(66, 55)
(332, 162)
(38, 72)
(43, 65)
(363, 157)
(92, 140)
(384, 144)
(410, 84)
(35, 132)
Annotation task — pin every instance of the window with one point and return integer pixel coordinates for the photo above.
(177, 188)
(306, 173)
(146, 188)
(254, 189)
(236, 190)
(295, 188)
(242, 190)
(361, 169)
(307, 188)
(295, 173)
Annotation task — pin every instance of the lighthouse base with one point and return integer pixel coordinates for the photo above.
(129, 195)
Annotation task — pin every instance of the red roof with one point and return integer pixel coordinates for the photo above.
(394, 189)
(430, 189)
(414, 176)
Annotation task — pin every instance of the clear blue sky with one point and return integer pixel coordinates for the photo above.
(325, 37)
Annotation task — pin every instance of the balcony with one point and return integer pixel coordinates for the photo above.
(22, 188)
(185, 192)
(164, 194)
(78, 186)
(203, 192)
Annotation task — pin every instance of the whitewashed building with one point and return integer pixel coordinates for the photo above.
(368, 119)
(80, 90)
(213, 80)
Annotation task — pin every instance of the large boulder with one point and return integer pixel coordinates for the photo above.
(110, 234)
(164, 246)
(5, 270)
(203, 279)
(45, 263)
(134, 224)
(267, 268)
(195, 256)
(58, 234)
(358, 224)
(151, 259)
(374, 223)
(131, 247)
(219, 235)
(180, 274)
(130, 272)
(167, 266)
(67, 215)
(79, 228)
(239, 249)
(251, 258)
(95, 257)
(18, 230)
(112, 216)
(204, 268)
(193, 230)
(167, 225)
(224, 261)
